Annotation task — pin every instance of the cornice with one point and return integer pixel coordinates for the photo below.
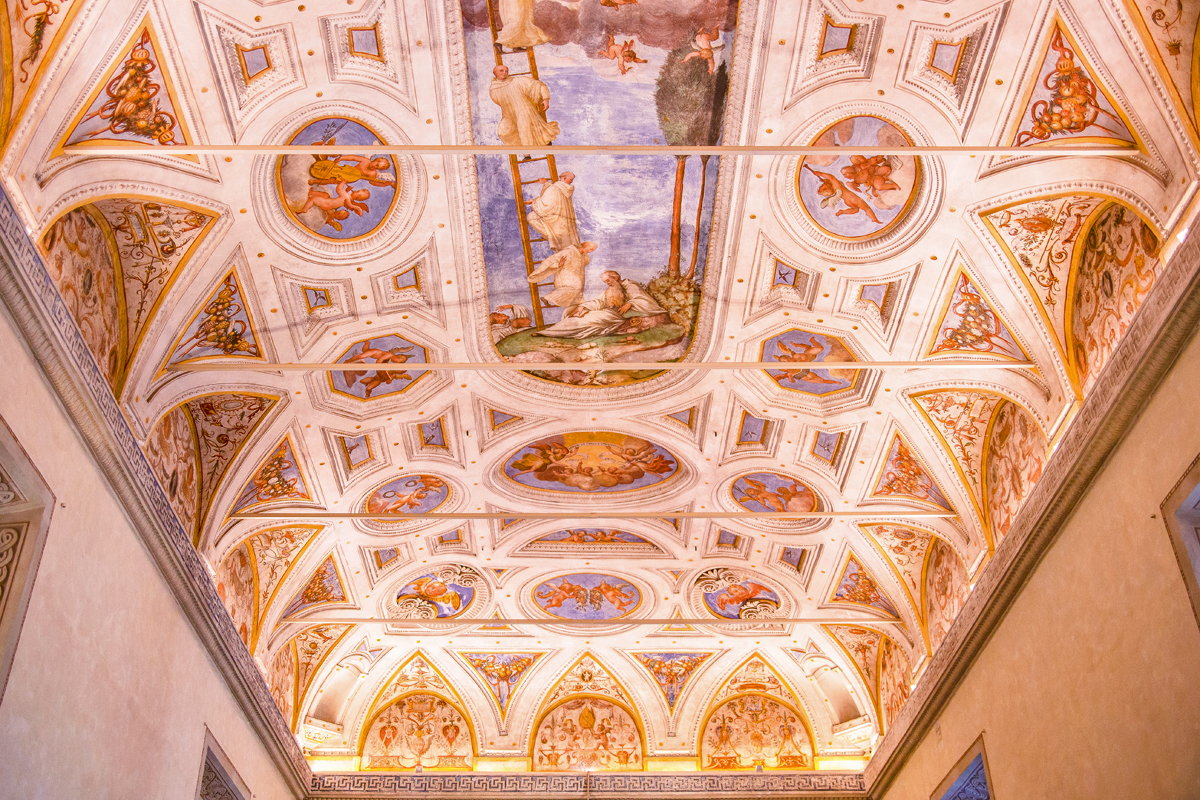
(46, 324)
(1154, 340)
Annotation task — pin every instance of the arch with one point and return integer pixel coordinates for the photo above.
(894, 670)
(146, 242)
(221, 423)
(945, 587)
(743, 736)
(251, 573)
(905, 547)
(418, 728)
(751, 715)
(1111, 276)
(593, 731)
(1014, 455)
(417, 701)
(295, 664)
(173, 450)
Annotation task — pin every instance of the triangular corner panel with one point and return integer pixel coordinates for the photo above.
(902, 476)
(135, 103)
(223, 327)
(278, 477)
(324, 587)
(858, 587)
(1064, 100)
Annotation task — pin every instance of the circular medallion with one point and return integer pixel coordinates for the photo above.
(734, 595)
(408, 494)
(337, 196)
(855, 196)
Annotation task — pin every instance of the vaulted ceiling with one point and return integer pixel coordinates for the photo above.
(577, 564)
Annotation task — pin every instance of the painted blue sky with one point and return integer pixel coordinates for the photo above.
(622, 203)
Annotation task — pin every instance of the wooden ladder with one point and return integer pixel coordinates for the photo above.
(529, 165)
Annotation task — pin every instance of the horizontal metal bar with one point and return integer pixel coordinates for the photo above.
(606, 150)
(522, 515)
(587, 366)
(583, 623)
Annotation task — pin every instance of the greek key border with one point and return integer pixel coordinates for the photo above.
(47, 325)
(603, 786)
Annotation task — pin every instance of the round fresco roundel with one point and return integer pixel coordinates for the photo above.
(591, 462)
(587, 595)
(341, 197)
(854, 197)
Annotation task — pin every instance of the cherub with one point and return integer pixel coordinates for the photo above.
(703, 47)
(392, 501)
(349, 168)
(555, 596)
(803, 353)
(757, 492)
(736, 594)
(433, 591)
(338, 207)
(613, 594)
(397, 355)
(831, 187)
(622, 53)
(870, 175)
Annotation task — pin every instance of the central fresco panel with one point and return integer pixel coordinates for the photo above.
(597, 258)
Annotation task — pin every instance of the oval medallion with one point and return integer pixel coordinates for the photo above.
(587, 595)
(591, 462)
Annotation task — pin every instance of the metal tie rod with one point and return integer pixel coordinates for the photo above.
(606, 150)
(524, 515)
(583, 623)
(587, 366)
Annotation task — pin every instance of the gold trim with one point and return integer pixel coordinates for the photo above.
(374, 29)
(241, 54)
(829, 23)
(951, 76)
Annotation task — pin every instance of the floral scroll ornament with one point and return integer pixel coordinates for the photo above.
(1073, 107)
(34, 25)
(1166, 22)
(132, 107)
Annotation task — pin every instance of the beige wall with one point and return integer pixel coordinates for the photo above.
(1090, 687)
(110, 689)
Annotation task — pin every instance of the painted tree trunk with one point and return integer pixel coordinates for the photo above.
(676, 214)
(691, 273)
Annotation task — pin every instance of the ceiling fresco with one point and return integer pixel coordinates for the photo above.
(586, 564)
